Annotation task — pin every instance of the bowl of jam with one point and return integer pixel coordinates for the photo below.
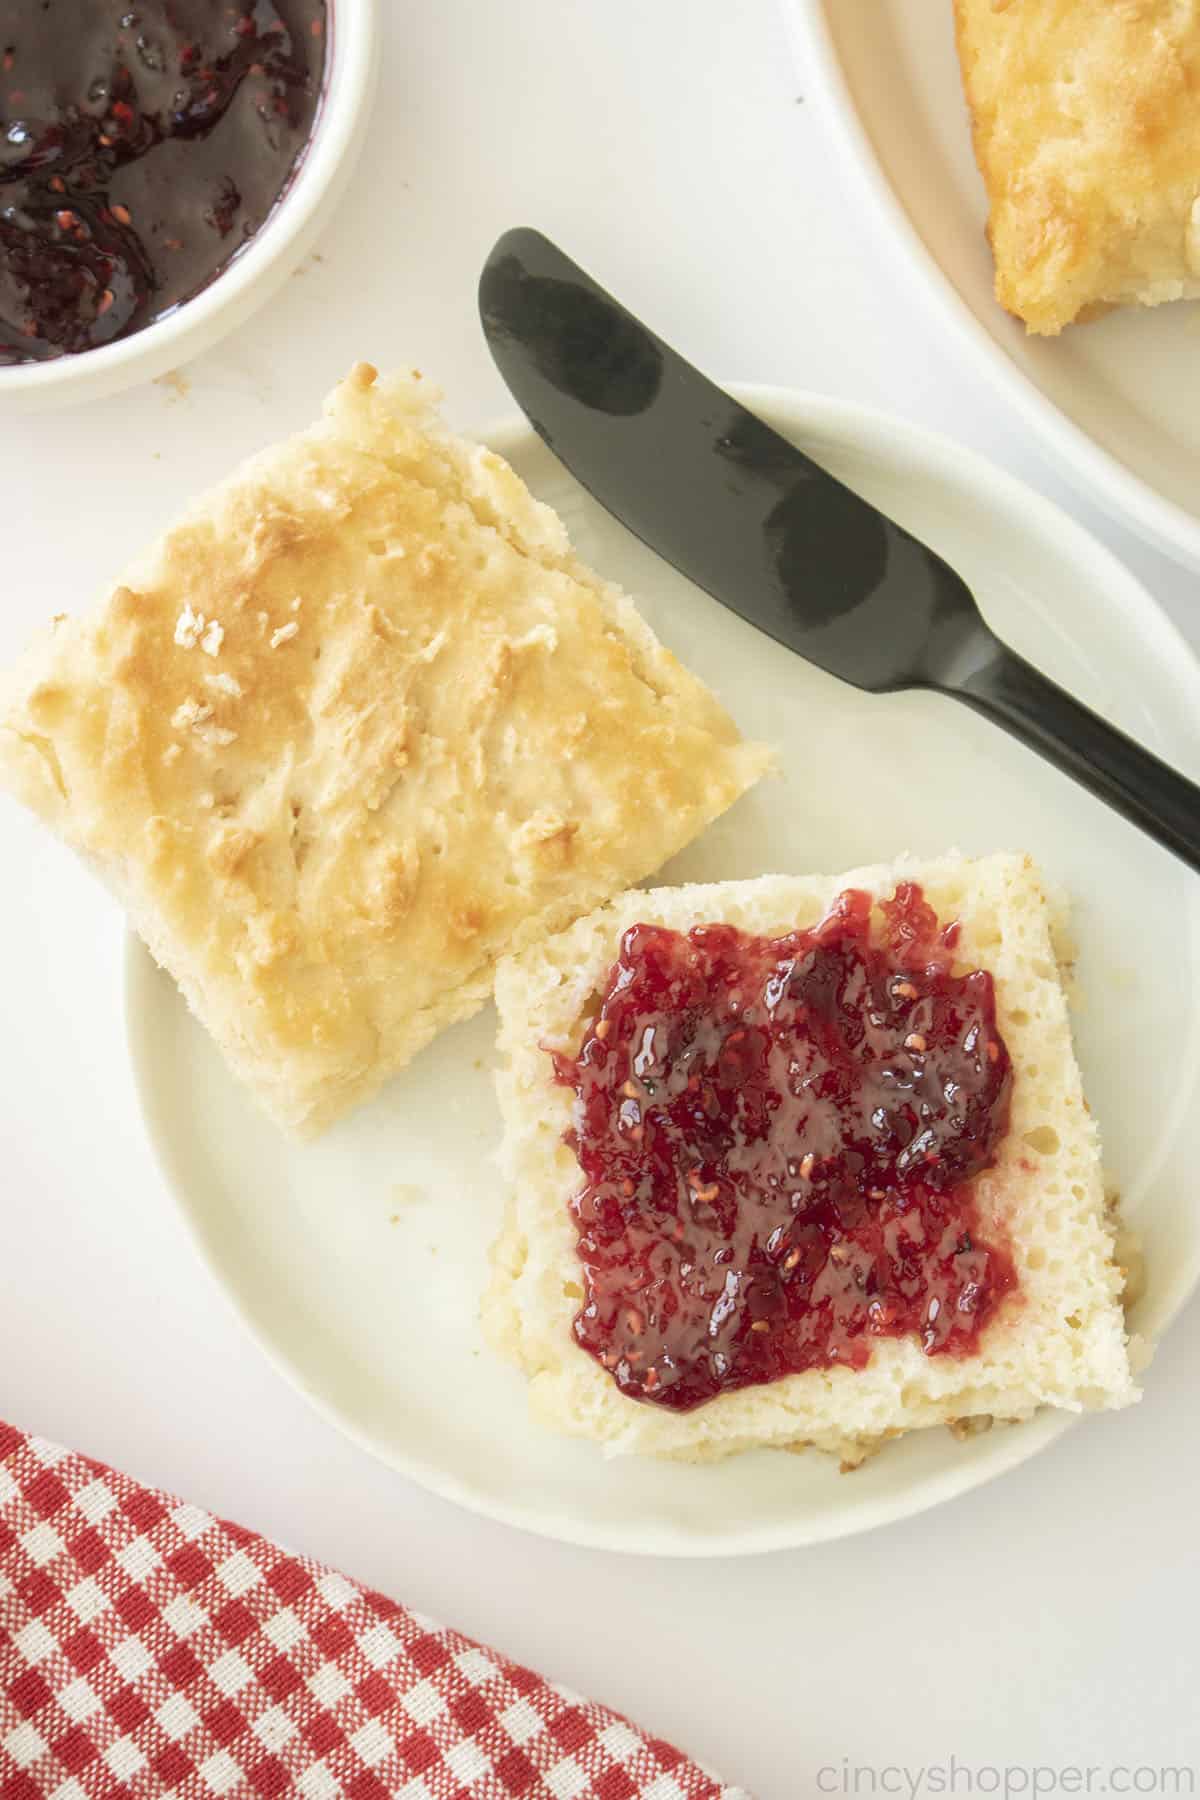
(164, 164)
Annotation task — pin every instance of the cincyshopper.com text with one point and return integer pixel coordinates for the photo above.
(859, 1781)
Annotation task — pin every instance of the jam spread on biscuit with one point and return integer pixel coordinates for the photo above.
(142, 142)
(778, 1138)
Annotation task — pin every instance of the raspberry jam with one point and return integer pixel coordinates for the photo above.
(141, 143)
(777, 1137)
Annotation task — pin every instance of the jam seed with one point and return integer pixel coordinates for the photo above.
(993, 1052)
(104, 302)
(634, 1321)
(602, 1028)
(759, 1325)
(629, 1091)
(650, 1380)
(790, 1260)
(65, 219)
(122, 215)
(905, 990)
(915, 1042)
(808, 1163)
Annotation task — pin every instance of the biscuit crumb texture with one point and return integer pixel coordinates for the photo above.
(1087, 135)
(356, 726)
(1059, 1340)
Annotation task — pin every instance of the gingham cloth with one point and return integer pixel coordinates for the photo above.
(148, 1648)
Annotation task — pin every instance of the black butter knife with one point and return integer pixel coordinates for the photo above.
(775, 537)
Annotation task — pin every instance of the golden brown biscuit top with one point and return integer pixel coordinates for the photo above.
(355, 722)
(1087, 133)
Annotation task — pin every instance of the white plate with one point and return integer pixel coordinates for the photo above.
(358, 1261)
(1115, 401)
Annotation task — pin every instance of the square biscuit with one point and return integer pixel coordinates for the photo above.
(356, 726)
(1057, 1340)
(1087, 135)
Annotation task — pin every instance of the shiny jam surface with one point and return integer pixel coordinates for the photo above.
(777, 1138)
(142, 142)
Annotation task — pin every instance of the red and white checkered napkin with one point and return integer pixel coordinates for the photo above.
(147, 1648)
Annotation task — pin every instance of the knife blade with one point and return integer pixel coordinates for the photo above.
(765, 530)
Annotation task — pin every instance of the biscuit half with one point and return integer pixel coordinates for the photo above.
(359, 724)
(1087, 135)
(1058, 1340)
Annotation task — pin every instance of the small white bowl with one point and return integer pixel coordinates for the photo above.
(257, 271)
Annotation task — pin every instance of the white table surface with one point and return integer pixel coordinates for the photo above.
(1049, 1618)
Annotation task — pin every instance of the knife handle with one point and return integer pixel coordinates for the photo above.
(1147, 791)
